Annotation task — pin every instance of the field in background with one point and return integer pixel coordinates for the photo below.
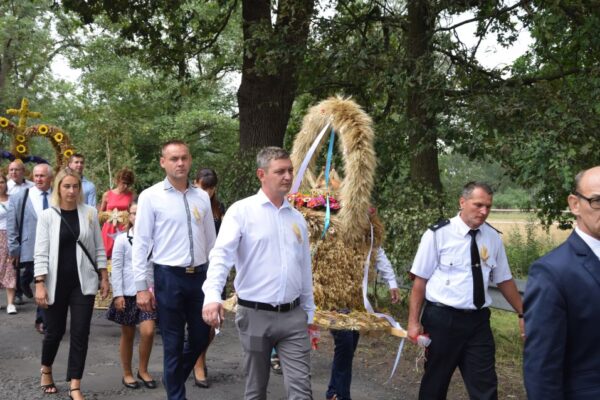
(509, 222)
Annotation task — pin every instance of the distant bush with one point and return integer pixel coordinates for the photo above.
(512, 198)
(523, 249)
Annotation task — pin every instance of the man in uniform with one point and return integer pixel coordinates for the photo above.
(175, 223)
(562, 355)
(454, 264)
(267, 240)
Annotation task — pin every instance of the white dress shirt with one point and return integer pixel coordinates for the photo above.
(37, 199)
(384, 266)
(444, 260)
(178, 228)
(13, 188)
(590, 241)
(269, 247)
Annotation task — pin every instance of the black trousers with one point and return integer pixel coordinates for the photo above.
(68, 296)
(462, 340)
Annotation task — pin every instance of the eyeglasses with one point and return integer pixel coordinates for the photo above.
(594, 201)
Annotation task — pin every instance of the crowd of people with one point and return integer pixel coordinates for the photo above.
(171, 259)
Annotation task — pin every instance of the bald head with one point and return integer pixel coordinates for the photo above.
(584, 202)
(16, 171)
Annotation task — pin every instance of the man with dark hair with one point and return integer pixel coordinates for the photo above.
(267, 240)
(175, 222)
(562, 357)
(77, 163)
(454, 264)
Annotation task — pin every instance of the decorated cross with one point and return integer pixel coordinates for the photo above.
(23, 114)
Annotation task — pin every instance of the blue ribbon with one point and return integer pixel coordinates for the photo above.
(327, 168)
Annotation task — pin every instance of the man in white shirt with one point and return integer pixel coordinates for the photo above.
(16, 177)
(456, 260)
(175, 223)
(561, 359)
(267, 240)
(77, 163)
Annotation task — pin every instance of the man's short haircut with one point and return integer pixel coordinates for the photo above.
(17, 162)
(267, 154)
(48, 168)
(471, 186)
(172, 142)
(74, 156)
(577, 180)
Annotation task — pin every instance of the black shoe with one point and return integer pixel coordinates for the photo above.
(131, 385)
(149, 384)
(201, 383)
(18, 301)
(27, 291)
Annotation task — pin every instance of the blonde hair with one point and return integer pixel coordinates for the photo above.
(62, 174)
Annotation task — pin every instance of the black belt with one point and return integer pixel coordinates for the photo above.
(460, 310)
(185, 270)
(268, 307)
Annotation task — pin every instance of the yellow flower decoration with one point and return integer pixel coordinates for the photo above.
(58, 137)
(43, 129)
(20, 138)
(68, 153)
(21, 149)
(3, 122)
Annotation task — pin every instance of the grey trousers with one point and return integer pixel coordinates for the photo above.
(260, 331)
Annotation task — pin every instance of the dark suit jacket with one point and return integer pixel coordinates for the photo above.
(562, 324)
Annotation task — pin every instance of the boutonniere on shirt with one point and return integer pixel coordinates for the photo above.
(297, 232)
(197, 214)
(90, 217)
(484, 253)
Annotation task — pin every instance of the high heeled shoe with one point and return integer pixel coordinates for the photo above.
(73, 390)
(49, 388)
(151, 384)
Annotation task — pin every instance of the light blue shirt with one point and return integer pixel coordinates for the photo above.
(89, 192)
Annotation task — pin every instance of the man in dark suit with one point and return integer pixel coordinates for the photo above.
(562, 306)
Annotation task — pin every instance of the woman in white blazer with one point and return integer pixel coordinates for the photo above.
(66, 277)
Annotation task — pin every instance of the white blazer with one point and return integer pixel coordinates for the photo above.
(46, 249)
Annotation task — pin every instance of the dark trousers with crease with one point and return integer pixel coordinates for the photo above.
(462, 340)
(179, 299)
(68, 296)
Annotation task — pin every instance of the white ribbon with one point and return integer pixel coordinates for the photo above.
(370, 309)
(307, 158)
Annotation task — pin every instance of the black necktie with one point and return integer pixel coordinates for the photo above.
(45, 200)
(478, 294)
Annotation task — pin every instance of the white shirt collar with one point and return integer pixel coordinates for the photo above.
(590, 241)
(263, 199)
(462, 227)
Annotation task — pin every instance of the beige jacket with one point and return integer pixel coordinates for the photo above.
(46, 249)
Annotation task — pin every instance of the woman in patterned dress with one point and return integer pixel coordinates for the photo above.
(117, 199)
(8, 274)
(125, 312)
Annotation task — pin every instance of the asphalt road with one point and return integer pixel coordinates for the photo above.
(20, 349)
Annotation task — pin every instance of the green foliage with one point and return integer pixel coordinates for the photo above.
(522, 249)
(512, 198)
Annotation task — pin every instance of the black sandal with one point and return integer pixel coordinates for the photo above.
(49, 388)
(73, 390)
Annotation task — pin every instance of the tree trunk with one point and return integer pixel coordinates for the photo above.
(422, 135)
(265, 96)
